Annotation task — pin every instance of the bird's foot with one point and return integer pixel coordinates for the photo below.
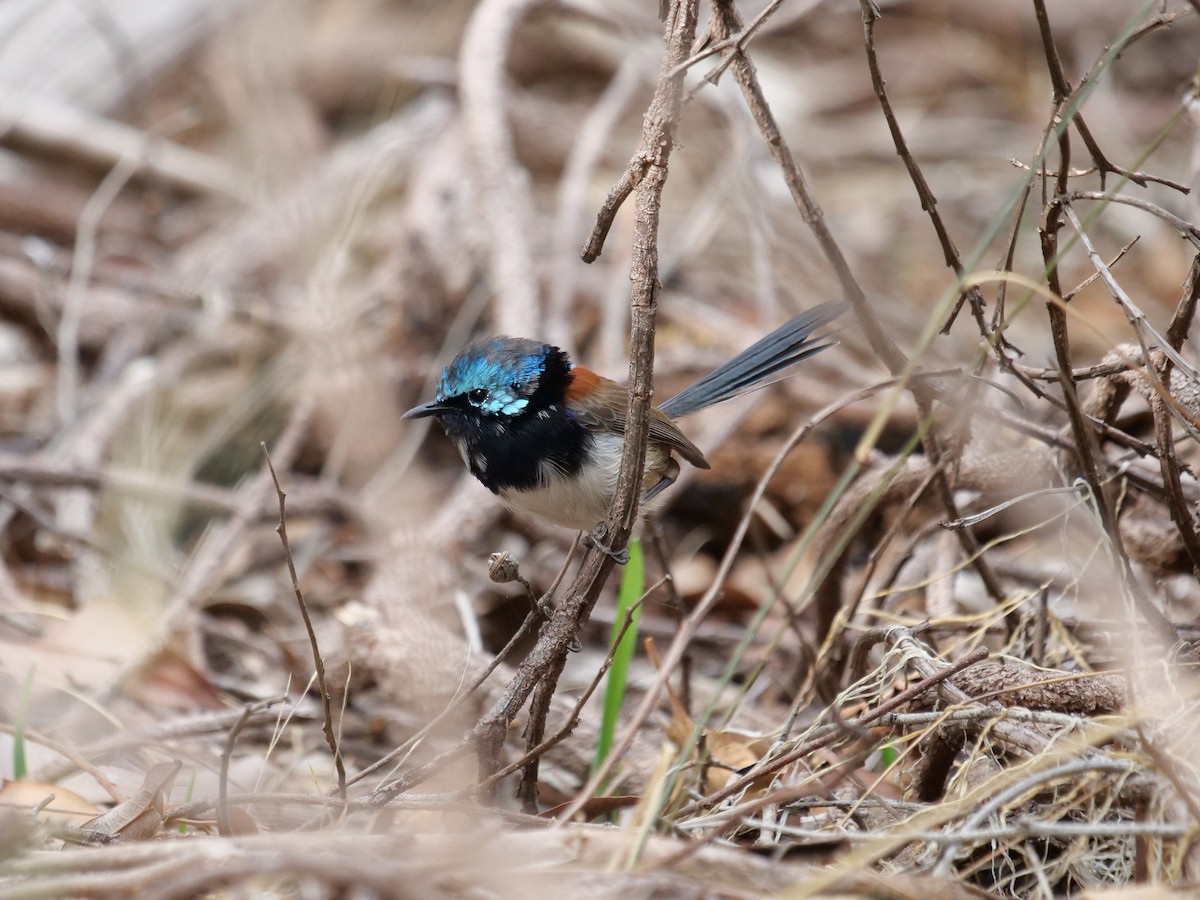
(598, 538)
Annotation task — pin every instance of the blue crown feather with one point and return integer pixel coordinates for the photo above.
(506, 370)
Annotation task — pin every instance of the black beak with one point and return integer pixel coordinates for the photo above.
(432, 408)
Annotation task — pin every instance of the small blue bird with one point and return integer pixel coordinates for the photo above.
(545, 435)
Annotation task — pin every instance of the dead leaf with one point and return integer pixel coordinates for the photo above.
(723, 753)
(141, 817)
(67, 807)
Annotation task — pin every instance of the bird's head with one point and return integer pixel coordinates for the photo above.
(493, 382)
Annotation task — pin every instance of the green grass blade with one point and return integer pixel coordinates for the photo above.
(20, 767)
(633, 582)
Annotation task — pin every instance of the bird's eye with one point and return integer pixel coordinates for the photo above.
(478, 395)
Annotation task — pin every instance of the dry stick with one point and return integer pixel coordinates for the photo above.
(739, 40)
(1067, 101)
(547, 658)
(503, 182)
(82, 262)
(315, 499)
(1186, 230)
(1026, 785)
(1063, 89)
(835, 731)
(1164, 423)
(44, 127)
(1137, 319)
(1181, 321)
(535, 732)
(873, 560)
(1087, 447)
(1087, 373)
(539, 750)
(870, 15)
(331, 737)
(725, 22)
(575, 194)
(81, 762)
(674, 603)
(385, 792)
(248, 710)
(1086, 444)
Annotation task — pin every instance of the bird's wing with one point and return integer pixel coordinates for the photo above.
(600, 403)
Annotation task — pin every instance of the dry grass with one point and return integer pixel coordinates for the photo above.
(930, 628)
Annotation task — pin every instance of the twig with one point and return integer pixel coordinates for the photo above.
(1064, 93)
(1136, 317)
(386, 790)
(739, 40)
(535, 731)
(950, 842)
(574, 195)
(331, 737)
(617, 195)
(870, 15)
(311, 498)
(82, 262)
(1181, 321)
(539, 750)
(546, 659)
(1164, 432)
(502, 569)
(1185, 229)
(834, 732)
(55, 129)
(222, 806)
(1086, 446)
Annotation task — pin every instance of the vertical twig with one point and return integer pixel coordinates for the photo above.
(1164, 424)
(224, 823)
(1086, 444)
(326, 703)
(645, 175)
(870, 15)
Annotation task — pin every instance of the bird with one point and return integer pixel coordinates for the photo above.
(545, 434)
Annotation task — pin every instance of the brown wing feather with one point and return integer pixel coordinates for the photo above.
(600, 405)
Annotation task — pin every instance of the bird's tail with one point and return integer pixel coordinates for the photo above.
(783, 347)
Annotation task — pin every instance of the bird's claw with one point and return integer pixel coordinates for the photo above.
(598, 538)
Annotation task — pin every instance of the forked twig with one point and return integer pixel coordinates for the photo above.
(331, 737)
(545, 662)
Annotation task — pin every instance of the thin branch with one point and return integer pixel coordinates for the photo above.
(870, 15)
(547, 657)
(331, 737)
(1186, 230)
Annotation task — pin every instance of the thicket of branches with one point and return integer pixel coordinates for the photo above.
(929, 624)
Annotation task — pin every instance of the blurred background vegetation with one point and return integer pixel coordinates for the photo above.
(224, 223)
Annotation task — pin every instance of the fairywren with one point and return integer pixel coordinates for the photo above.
(545, 434)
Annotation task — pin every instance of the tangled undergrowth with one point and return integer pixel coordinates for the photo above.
(928, 627)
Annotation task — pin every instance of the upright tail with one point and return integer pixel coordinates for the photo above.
(783, 347)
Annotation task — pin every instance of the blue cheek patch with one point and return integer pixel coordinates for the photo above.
(503, 403)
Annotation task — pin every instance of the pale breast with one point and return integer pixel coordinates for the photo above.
(581, 501)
